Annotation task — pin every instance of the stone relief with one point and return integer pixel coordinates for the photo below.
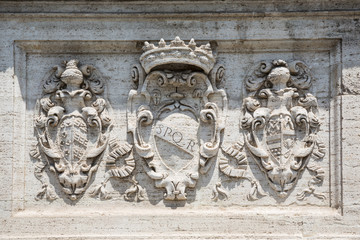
(177, 113)
(218, 191)
(235, 165)
(120, 153)
(72, 127)
(176, 116)
(280, 125)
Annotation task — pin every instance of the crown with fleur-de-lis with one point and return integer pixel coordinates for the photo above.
(177, 52)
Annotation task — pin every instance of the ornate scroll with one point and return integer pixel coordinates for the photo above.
(72, 127)
(177, 112)
(281, 124)
(235, 165)
(124, 152)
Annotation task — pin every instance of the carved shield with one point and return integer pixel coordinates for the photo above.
(72, 139)
(176, 141)
(280, 137)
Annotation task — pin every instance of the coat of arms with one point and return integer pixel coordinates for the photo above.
(280, 122)
(176, 114)
(72, 128)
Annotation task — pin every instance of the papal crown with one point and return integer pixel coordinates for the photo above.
(177, 53)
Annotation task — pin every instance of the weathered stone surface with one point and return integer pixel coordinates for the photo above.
(250, 131)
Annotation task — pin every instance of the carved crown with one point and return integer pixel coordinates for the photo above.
(177, 53)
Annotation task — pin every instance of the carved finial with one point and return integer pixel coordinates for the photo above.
(72, 64)
(162, 43)
(192, 44)
(148, 46)
(279, 63)
(72, 75)
(177, 42)
(206, 47)
(279, 75)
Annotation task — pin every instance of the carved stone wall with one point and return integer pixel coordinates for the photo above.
(155, 120)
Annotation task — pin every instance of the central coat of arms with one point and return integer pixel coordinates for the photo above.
(176, 114)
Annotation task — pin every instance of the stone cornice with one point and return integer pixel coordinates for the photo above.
(178, 9)
(184, 16)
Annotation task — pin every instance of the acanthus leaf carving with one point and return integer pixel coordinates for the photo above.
(175, 103)
(72, 127)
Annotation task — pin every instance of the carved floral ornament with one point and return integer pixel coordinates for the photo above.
(176, 116)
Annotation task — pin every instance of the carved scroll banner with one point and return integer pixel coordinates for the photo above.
(72, 127)
(280, 124)
(176, 114)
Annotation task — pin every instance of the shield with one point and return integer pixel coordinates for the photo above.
(71, 130)
(176, 141)
(281, 121)
(72, 139)
(280, 138)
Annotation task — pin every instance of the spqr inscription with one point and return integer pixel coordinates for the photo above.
(176, 137)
